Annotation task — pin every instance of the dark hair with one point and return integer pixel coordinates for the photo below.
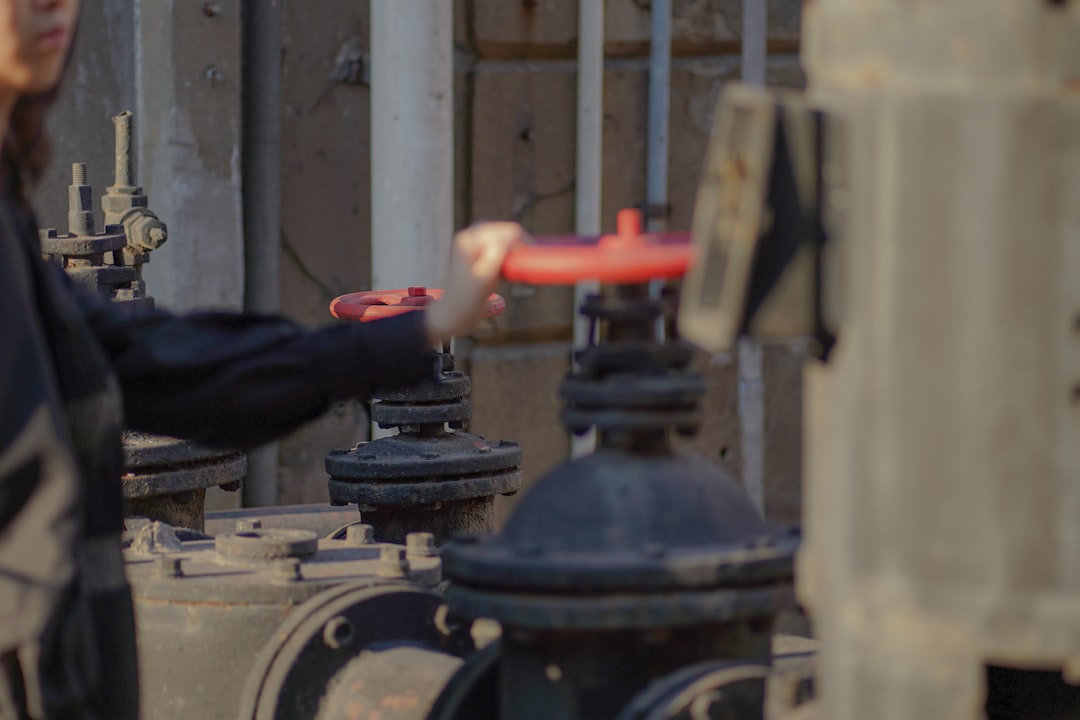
(26, 147)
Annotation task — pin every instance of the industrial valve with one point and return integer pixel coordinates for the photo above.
(430, 475)
(91, 257)
(165, 478)
(126, 205)
(627, 579)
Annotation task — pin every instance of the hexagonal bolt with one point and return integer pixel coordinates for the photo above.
(393, 562)
(247, 524)
(420, 544)
(287, 570)
(167, 567)
(360, 534)
(80, 202)
(338, 633)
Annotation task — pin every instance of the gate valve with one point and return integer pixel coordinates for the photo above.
(628, 257)
(378, 304)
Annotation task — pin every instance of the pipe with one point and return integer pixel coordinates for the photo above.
(751, 363)
(656, 164)
(590, 153)
(656, 179)
(261, 167)
(412, 141)
(754, 41)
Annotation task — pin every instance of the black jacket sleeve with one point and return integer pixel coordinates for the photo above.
(238, 380)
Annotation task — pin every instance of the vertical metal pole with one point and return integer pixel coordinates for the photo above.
(656, 164)
(754, 41)
(590, 139)
(656, 181)
(260, 153)
(751, 365)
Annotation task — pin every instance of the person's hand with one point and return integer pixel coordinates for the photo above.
(475, 265)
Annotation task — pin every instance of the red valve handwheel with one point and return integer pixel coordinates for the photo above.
(378, 304)
(630, 256)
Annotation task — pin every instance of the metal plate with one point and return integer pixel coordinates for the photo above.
(410, 457)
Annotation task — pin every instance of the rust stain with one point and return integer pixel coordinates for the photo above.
(1072, 85)
(399, 703)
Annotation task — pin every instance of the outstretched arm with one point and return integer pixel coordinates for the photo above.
(239, 380)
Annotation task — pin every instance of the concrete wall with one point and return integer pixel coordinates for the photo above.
(514, 156)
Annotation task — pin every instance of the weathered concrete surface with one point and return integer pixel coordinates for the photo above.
(302, 473)
(326, 211)
(100, 83)
(326, 215)
(188, 107)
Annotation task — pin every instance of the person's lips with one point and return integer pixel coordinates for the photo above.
(52, 39)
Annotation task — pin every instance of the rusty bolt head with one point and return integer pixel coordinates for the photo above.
(392, 562)
(420, 544)
(211, 8)
(287, 569)
(247, 524)
(167, 567)
(338, 633)
(418, 291)
(360, 534)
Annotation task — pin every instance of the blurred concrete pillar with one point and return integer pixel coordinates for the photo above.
(943, 435)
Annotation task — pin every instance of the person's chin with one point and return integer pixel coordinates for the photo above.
(42, 82)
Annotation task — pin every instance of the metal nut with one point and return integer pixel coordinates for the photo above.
(393, 562)
(420, 544)
(338, 633)
(247, 524)
(360, 534)
(287, 570)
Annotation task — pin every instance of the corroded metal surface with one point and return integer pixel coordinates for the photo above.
(210, 624)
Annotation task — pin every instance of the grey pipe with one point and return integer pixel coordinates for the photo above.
(261, 169)
(754, 41)
(656, 179)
